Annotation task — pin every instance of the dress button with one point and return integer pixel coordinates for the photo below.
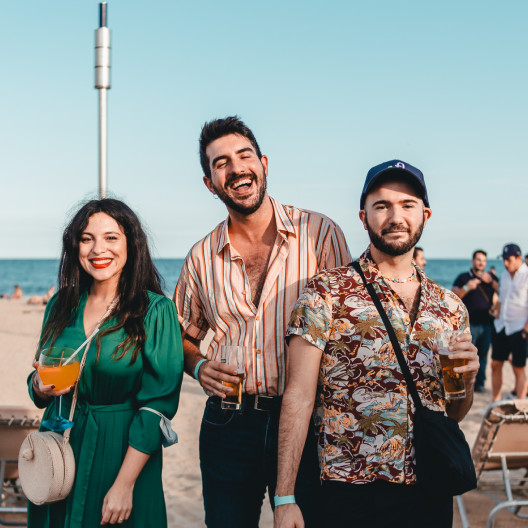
(244, 292)
(259, 383)
(257, 351)
(257, 318)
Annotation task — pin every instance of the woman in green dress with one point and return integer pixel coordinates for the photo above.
(135, 361)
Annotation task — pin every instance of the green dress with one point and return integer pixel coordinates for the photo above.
(107, 419)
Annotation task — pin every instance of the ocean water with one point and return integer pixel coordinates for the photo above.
(35, 277)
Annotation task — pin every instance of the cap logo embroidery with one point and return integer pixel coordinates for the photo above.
(400, 165)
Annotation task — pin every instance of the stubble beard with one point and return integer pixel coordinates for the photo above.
(394, 249)
(241, 208)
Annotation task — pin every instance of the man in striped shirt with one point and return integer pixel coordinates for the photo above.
(241, 282)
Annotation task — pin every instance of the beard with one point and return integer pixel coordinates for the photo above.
(242, 208)
(394, 249)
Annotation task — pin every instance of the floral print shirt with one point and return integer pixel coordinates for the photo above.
(363, 409)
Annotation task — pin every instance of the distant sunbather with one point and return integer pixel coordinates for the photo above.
(17, 292)
(42, 299)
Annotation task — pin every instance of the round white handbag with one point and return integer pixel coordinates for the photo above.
(46, 466)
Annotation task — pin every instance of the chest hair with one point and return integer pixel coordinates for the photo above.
(256, 264)
(409, 293)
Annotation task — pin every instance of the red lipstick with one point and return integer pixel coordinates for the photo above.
(101, 263)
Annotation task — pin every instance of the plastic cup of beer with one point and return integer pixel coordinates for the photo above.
(233, 356)
(454, 387)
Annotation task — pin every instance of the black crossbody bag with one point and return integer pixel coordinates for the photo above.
(443, 460)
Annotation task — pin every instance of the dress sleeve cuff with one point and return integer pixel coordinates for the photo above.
(145, 433)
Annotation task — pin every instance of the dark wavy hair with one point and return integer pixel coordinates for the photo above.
(218, 128)
(138, 275)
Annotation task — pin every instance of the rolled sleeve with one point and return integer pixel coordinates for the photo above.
(162, 375)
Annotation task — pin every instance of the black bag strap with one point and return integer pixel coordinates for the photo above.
(392, 335)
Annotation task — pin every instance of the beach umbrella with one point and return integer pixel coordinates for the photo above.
(102, 83)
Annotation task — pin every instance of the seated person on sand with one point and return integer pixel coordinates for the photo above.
(17, 292)
(42, 299)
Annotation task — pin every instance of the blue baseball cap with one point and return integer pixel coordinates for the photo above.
(511, 250)
(398, 169)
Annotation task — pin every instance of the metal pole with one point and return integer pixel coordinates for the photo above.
(102, 83)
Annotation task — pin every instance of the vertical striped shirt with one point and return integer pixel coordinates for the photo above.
(213, 291)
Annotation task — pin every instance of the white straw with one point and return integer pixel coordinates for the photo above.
(82, 346)
(96, 329)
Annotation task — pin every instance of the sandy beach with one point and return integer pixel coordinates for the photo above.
(19, 330)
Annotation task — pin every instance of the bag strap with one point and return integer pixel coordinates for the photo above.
(392, 335)
(484, 294)
(88, 342)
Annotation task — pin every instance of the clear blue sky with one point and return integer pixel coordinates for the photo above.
(329, 89)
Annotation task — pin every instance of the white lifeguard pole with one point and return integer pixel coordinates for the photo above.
(102, 83)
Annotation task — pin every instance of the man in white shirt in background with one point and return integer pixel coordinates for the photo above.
(512, 323)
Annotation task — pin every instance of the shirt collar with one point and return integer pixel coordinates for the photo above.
(283, 221)
(373, 274)
(369, 267)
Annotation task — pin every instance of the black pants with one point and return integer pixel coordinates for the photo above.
(382, 504)
(238, 458)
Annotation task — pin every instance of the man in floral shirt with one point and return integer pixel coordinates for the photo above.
(339, 344)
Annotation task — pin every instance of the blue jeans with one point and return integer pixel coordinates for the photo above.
(481, 338)
(238, 459)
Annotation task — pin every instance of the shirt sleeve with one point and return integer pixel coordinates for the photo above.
(500, 293)
(464, 320)
(311, 318)
(460, 316)
(41, 403)
(460, 281)
(162, 375)
(188, 301)
(335, 252)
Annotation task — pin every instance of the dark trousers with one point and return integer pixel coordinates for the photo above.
(481, 338)
(238, 459)
(382, 504)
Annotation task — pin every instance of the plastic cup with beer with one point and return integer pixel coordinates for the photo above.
(454, 387)
(233, 356)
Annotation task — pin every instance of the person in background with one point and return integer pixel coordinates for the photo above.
(133, 371)
(512, 323)
(17, 292)
(419, 257)
(339, 344)
(241, 281)
(476, 288)
(526, 259)
(42, 299)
